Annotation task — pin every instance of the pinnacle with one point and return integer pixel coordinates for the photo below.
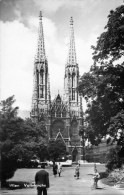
(40, 55)
(40, 15)
(71, 21)
(72, 52)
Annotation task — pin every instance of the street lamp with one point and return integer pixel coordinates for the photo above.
(82, 134)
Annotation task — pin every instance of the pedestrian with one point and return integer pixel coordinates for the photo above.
(77, 172)
(59, 169)
(42, 181)
(55, 167)
(96, 177)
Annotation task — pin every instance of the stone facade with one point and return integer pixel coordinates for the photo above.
(63, 115)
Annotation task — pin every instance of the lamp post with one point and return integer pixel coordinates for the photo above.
(83, 142)
(82, 134)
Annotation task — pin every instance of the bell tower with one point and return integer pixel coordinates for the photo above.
(71, 78)
(41, 85)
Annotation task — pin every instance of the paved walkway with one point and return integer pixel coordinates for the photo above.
(68, 185)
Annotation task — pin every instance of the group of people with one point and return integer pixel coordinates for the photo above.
(42, 177)
(57, 169)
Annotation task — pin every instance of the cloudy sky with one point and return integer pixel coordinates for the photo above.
(18, 36)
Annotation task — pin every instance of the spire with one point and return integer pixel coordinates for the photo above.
(72, 52)
(40, 55)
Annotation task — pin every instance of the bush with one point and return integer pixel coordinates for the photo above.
(103, 175)
(113, 159)
(9, 167)
(118, 175)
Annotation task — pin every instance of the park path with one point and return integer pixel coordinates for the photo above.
(68, 185)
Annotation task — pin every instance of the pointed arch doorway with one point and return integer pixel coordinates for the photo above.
(75, 155)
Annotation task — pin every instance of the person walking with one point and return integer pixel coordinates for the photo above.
(55, 167)
(59, 169)
(96, 177)
(42, 181)
(77, 173)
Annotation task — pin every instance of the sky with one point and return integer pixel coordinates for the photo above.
(19, 21)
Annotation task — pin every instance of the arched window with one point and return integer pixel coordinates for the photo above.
(64, 113)
(73, 94)
(41, 92)
(73, 86)
(58, 112)
(53, 112)
(72, 80)
(74, 127)
(37, 73)
(41, 76)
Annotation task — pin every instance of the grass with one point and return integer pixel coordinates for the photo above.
(24, 178)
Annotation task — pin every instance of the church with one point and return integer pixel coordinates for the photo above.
(63, 115)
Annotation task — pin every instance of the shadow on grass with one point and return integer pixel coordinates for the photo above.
(99, 188)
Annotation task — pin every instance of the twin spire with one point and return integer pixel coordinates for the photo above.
(41, 56)
(71, 60)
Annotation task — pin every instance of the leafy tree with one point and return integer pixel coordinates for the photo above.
(36, 135)
(103, 85)
(20, 139)
(104, 94)
(8, 119)
(113, 159)
(56, 149)
(103, 89)
(110, 44)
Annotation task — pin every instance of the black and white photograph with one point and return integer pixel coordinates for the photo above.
(62, 97)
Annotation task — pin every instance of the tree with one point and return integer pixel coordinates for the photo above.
(56, 149)
(20, 139)
(104, 94)
(113, 159)
(8, 122)
(103, 88)
(110, 44)
(103, 85)
(37, 138)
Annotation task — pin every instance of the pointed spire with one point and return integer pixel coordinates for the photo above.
(40, 55)
(71, 60)
(40, 15)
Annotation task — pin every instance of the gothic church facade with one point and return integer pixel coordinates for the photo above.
(63, 115)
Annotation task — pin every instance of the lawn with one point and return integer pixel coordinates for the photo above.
(27, 175)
